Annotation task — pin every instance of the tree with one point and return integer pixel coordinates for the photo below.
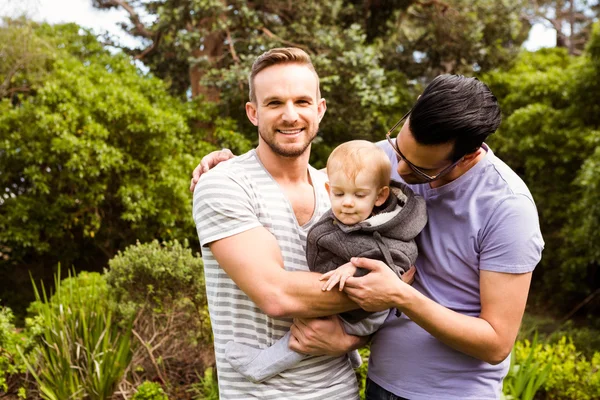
(97, 156)
(572, 21)
(372, 56)
(550, 137)
(22, 56)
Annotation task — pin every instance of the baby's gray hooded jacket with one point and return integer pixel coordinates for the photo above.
(387, 236)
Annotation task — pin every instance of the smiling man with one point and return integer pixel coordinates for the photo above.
(252, 214)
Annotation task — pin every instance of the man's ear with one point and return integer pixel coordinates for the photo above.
(252, 113)
(469, 157)
(382, 196)
(321, 107)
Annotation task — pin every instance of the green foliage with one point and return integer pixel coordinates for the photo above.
(572, 376)
(361, 372)
(11, 364)
(81, 353)
(370, 55)
(159, 276)
(207, 388)
(150, 391)
(97, 155)
(162, 287)
(550, 136)
(525, 375)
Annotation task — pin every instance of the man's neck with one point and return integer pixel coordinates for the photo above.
(285, 170)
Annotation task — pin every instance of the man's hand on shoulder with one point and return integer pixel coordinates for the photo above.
(208, 162)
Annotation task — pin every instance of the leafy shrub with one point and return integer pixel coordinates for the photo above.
(150, 391)
(11, 364)
(571, 375)
(80, 353)
(162, 286)
(526, 374)
(207, 388)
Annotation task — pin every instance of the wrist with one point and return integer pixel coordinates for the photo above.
(405, 296)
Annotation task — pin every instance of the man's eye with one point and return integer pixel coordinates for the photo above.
(274, 103)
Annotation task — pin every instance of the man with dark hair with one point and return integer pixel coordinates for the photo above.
(476, 255)
(482, 241)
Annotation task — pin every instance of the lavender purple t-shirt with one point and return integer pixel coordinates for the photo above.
(484, 220)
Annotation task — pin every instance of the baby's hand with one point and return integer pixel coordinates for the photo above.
(338, 275)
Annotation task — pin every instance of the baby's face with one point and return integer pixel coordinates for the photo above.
(353, 201)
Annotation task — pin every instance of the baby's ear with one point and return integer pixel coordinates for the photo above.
(328, 188)
(382, 196)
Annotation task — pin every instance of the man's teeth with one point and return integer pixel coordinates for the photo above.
(290, 131)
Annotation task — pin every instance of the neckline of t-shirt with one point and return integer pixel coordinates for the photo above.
(316, 193)
(466, 177)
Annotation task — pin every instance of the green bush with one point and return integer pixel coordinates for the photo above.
(163, 277)
(162, 287)
(571, 376)
(80, 353)
(150, 391)
(11, 364)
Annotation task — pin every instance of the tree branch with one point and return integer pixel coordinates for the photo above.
(4, 86)
(271, 35)
(133, 16)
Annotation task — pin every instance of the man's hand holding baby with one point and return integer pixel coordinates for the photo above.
(381, 288)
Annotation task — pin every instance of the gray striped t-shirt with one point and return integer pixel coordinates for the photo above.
(234, 197)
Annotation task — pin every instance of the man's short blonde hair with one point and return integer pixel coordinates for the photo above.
(282, 55)
(361, 155)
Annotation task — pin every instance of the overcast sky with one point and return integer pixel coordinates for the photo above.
(82, 13)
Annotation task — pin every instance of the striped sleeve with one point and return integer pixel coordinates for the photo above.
(222, 206)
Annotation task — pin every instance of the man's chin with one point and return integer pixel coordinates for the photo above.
(412, 180)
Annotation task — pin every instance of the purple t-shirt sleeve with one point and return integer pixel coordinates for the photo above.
(511, 241)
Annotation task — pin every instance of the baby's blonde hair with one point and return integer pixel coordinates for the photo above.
(360, 155)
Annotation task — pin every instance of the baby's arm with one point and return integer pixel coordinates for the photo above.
(340, 274)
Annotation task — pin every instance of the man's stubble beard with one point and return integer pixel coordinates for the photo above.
(280, 151)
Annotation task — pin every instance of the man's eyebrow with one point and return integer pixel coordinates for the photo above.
(271, 98)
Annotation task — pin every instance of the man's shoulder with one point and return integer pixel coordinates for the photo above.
(231, 170)
(509, 180)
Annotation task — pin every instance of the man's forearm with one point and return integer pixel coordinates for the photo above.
(301, 295)
(489, 336)
(470, 335)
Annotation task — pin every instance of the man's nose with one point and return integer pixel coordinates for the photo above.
(289, 112)
(403, 168)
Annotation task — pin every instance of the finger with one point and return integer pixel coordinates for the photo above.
(343, 282)
(197, 172)
(228, 153)
(332, 282)
(409, 276)
(293, 343)
(367, 263)
(326, 275)
(192, 185)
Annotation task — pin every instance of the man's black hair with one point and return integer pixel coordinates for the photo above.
(454, 108)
